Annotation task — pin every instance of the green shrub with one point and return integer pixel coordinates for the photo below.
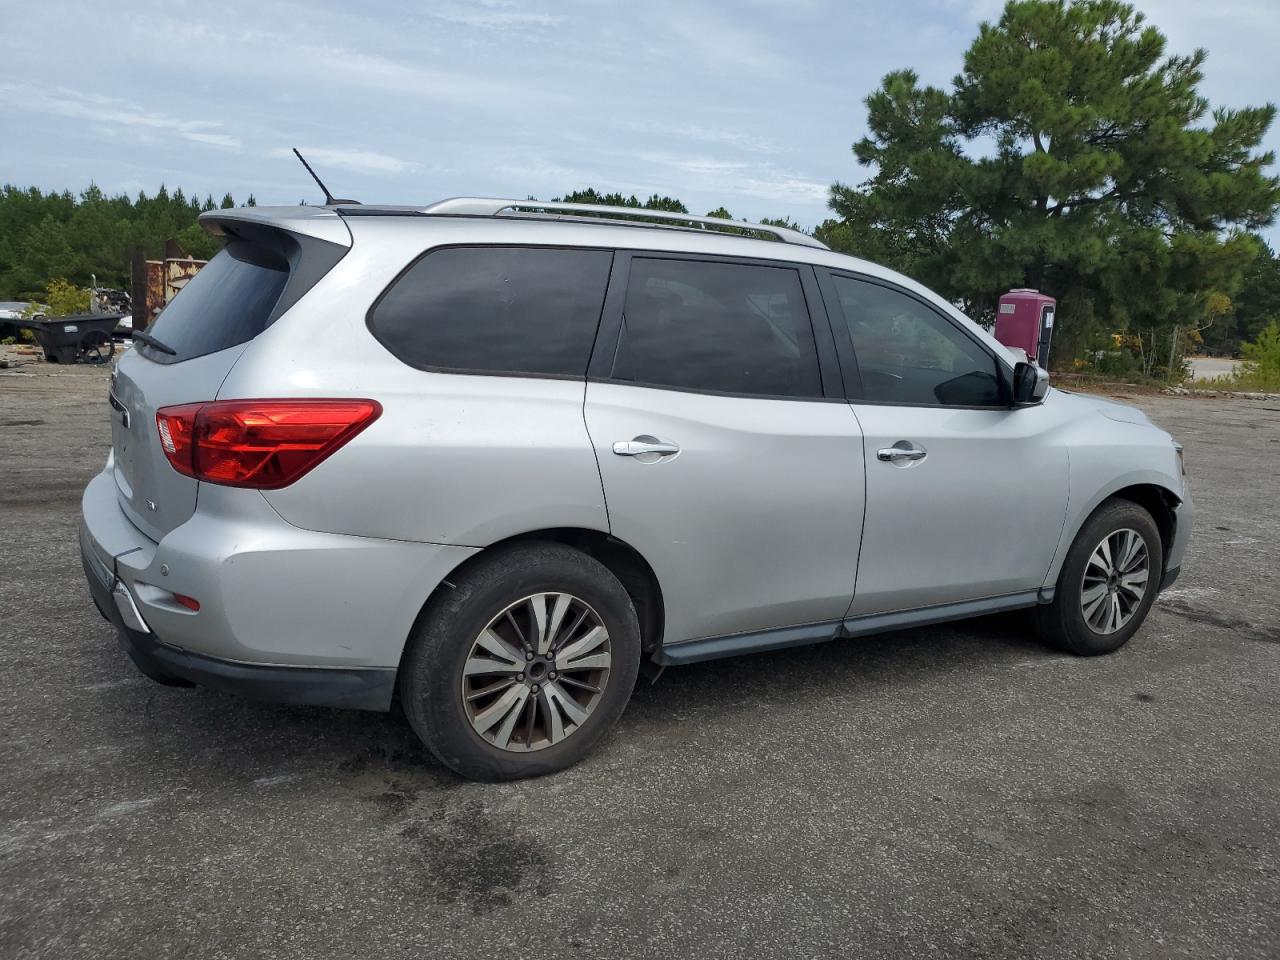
(1121, 364)
(1260, 370)
(62, 299)
(1261, 367)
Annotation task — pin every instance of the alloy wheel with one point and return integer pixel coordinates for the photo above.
(1115, 581)
(536, 672)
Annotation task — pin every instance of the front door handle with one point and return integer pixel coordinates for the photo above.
(903, 450)
(645, 444)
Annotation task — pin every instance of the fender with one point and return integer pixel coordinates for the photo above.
(1081, 506)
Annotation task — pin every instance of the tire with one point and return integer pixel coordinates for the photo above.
(1065, 623)
(446, 640)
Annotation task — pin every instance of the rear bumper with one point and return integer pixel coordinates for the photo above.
(368, 689)
(357, 689)
(286, 614)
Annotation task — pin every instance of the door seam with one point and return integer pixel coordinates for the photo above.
(862, 530)
(595, 452)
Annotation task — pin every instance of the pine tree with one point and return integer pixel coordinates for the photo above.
(1074, 155)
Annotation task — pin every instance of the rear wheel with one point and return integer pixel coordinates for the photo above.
(1108, 582)
(523, 665)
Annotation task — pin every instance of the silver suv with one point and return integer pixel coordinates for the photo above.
(492, 458)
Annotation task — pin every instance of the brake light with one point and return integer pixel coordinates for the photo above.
(262, 444)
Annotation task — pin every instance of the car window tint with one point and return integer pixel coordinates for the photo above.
(908, 353)
(227, 303)
(514, 310)
(723, 327)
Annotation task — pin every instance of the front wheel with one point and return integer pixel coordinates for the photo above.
(1108, 582)
(522, 664)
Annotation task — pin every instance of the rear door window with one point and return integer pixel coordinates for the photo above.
(505, 310)
(229, 302)
(908, 353)
(720, 327)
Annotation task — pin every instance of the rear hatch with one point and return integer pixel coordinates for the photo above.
(258, 275)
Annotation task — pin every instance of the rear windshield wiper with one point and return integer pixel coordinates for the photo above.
(151, 341)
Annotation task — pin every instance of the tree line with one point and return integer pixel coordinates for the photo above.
(75, 237)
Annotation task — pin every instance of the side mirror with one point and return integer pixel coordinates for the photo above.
(1030, 384)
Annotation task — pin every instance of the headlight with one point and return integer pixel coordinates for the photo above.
(1182, 463)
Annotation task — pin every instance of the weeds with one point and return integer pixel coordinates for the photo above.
(1260, 369)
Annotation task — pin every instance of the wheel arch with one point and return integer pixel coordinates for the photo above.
(1158, 501)
(623, 561)
(1151, 493)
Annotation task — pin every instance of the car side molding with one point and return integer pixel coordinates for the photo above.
(712, 648)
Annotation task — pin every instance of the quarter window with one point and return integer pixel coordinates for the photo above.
(908, 353)
(721, 327)
(512, 310)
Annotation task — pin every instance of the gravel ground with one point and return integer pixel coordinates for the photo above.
(950, 791)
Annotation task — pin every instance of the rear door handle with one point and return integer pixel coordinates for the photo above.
(900, 451)
(645, 444)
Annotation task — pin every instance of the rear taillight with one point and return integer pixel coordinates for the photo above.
(176, 426)
(263, 444)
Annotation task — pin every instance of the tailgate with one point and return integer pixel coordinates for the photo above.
(198, 337)
(157, 497)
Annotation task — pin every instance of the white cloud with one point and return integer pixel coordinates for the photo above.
(739, 177)
(737, 139)
(716, 36)
(379, 72)
(495, 15)
(109, 112)
(215, 139)
(361, 161)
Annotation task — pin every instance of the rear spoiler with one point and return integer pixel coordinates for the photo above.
(311, 240)
(319, 223)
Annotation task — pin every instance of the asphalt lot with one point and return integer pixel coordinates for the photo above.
(951, 791)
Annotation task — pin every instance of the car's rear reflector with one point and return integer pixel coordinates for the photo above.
(262, 444)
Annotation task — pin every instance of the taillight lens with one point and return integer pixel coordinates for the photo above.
(176, 426)
(263, 444)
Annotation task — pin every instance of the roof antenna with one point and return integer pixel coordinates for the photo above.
(329, 199)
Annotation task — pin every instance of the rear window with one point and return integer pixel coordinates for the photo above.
(506, 310)
(227, 303)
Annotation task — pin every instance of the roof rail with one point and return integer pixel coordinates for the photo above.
(493, 207)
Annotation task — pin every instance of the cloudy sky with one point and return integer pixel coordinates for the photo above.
(749, 104)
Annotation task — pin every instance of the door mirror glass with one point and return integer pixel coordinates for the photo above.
(1030, 383)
